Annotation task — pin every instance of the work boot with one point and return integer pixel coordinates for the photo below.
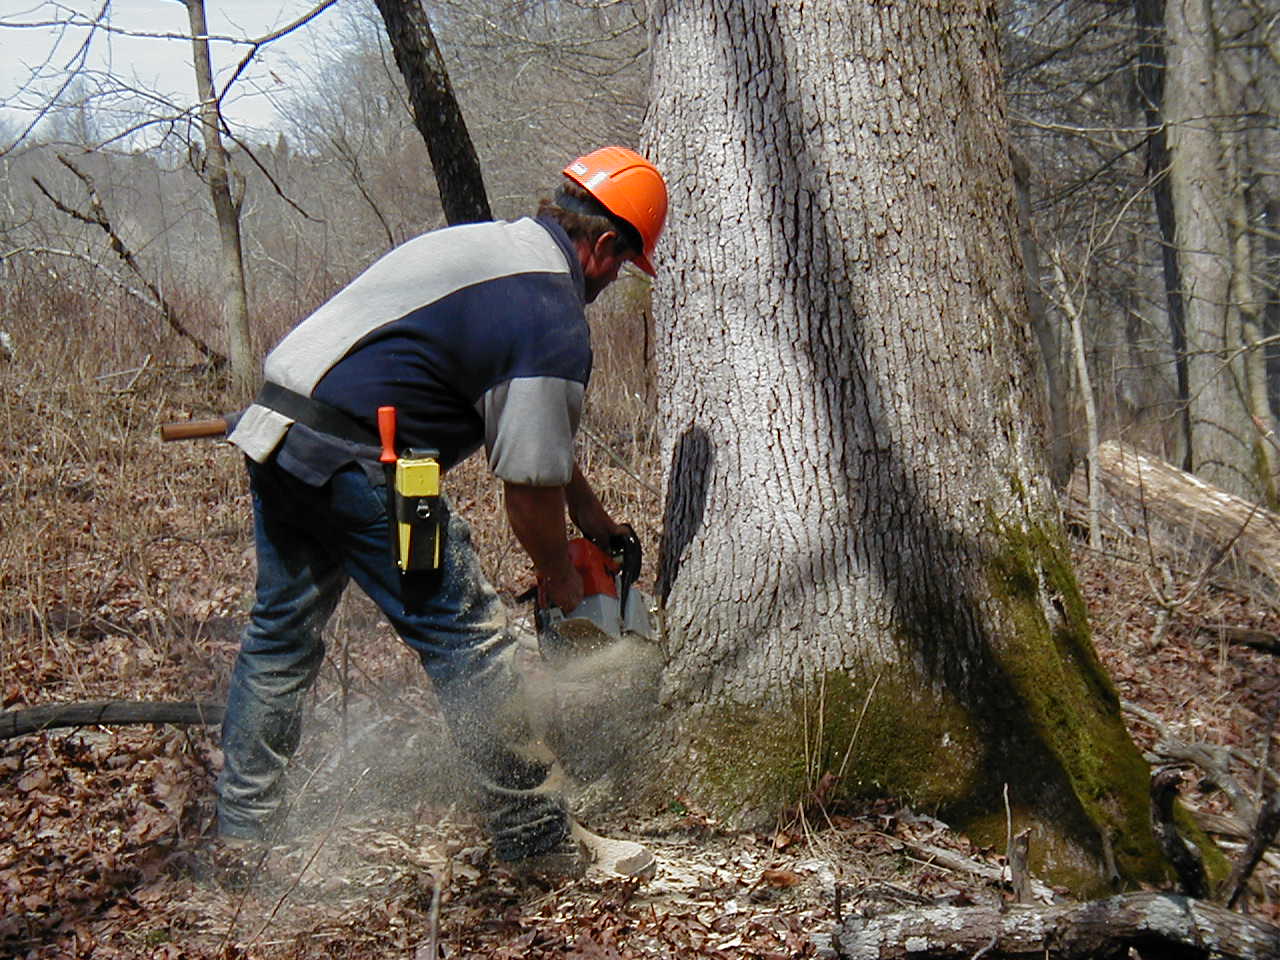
(584, 853)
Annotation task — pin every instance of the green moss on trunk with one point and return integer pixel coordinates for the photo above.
(1066, 703)
(1027, 705)
(881, 736)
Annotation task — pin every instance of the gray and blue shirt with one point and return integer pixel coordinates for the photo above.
(476, 334)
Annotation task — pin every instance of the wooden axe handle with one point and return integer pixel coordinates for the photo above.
(191, 429)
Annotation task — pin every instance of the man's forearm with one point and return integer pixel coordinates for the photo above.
(536, 515)
(586, 510)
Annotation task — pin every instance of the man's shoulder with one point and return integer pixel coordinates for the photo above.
(494, 248)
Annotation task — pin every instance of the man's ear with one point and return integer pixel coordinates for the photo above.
(606, 245)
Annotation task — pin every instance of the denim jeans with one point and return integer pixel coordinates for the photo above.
(310, 541)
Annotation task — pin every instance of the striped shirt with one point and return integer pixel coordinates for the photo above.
(476, 334)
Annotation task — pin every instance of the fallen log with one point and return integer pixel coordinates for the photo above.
(1155, 924)
(17, 723)
(1163, 513)
(1255, 639)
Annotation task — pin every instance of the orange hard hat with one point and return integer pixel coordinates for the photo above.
(629, 187)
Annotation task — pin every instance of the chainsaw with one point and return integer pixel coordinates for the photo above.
(612, 607)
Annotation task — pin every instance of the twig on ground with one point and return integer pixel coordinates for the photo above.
(433, 918)
(337, 815)
(962, 864)
(1213, 760)
(1266, 828)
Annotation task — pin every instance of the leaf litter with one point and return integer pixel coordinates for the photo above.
(105, 849)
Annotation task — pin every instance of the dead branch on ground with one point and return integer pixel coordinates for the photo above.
(1159, 924)
(1264, 831)
(17, 723)
(1232, 542)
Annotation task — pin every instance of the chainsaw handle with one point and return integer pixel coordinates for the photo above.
(626, 547)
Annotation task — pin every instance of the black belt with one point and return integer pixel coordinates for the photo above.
(314, 414)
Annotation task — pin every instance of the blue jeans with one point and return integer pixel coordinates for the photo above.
(310, 540)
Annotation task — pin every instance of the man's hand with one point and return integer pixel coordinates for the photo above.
(562, 590)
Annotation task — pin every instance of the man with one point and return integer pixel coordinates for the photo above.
(476, 335)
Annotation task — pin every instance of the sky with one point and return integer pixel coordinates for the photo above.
(154, 62)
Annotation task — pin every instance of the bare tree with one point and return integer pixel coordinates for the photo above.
(99, 109)
(1221, 432)
(436, 111)
(226, 206)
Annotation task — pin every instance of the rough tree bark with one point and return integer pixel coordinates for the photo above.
(436, 112)
(1233, 74)
(1223, 439)
(1057, 397)
(235, 298)
(863, 569)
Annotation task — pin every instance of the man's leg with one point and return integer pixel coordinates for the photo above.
(459, 629)
(300, 579)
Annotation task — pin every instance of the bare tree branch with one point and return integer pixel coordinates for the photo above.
(71, 71)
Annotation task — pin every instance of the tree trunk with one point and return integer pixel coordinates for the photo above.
(1149, 18)
(1056, 393)
(1222, 433)
(436, 111)
(863, 571)
(1245, 310)
(235, 299)
(1067, 303)
(1271, 311)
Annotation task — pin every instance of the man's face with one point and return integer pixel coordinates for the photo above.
(600, 265)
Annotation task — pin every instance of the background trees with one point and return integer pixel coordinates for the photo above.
(1089, 85)
(347, 175)
(1146, 135)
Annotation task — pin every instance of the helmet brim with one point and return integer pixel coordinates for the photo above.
(641, 261)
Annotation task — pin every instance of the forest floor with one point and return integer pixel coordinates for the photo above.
(122, 582)
(107, 853)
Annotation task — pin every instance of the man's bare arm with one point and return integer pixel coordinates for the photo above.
(586, 510)
(536, 515)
